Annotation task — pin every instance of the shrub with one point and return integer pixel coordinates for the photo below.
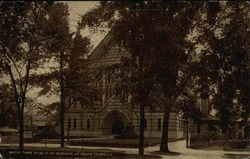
(238, 144)
(205, 138)
(127, 133)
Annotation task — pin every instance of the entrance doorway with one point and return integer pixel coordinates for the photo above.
(117, 127)
(114, 122)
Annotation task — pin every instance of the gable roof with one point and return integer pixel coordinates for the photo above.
(94, 54)
(104, 54)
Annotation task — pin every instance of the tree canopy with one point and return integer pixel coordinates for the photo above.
(22, 47)
(179, 45)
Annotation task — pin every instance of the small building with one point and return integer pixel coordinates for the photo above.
(8, 135)
(33, 124)
(28, 126)
(39, 124)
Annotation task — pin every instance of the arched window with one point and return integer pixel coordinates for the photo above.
(88, 124)
(69, 102)
(159, 124)
(145, 123)
(69, 123)
(74, 123)
(75, 103)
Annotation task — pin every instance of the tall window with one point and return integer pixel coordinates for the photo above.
(74, 123)
(75, 103)
(69, 123)
(199, 103)
(159, 124)
(69, 102)
(124, 96)
(88, 124)
(145, 123)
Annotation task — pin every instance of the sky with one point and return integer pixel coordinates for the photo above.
(76, 10)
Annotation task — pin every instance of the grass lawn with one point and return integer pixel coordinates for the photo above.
(130, 143)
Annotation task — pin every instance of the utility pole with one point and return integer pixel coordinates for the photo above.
(187, 133)
(1, 99)
(68, 132)
(142, 113)
(62, 99)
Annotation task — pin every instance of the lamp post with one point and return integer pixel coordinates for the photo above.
(68, 131)
(187, 134)
(1, 98)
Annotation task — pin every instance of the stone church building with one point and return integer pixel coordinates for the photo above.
(111, 113)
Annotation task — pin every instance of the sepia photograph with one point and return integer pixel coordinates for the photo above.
(124, 79)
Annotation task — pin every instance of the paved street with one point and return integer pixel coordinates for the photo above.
(179, 147)
(184, 153)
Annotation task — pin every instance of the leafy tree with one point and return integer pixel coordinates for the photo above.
(71, 79)
(58, 42)
(78, 76)
(58, 16)
(160, 46)
(176, 46)
(22, 48)
(225, 66)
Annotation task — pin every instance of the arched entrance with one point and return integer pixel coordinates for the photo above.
(114, 122)
(117, 127)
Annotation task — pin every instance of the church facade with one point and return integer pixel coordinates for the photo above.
(111, 114)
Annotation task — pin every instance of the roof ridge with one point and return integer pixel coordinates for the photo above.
(99, 44)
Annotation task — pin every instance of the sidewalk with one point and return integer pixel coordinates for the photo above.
(187, 153)
(178, 146)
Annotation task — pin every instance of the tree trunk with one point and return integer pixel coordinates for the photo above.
(164, 139)
(21, 130)
(23, 96)
(142, 113)
(61, 100)
(21, 120)
(187, 133)
(68, 134)
(141, 135)
(18, 105)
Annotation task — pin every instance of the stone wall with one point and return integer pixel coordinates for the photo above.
(154, 122)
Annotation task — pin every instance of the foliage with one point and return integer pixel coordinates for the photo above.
(74, 71)
(237, 144)
(128, 132)
(160, 48)
(8, 112)
(190, 110)
(224, 68)
(49, 131)
(202, 46)
(216, 139)
(78, 76)
(47, 110)
(22, 47)
(201, 139)
(58, 40)
(68, 76)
